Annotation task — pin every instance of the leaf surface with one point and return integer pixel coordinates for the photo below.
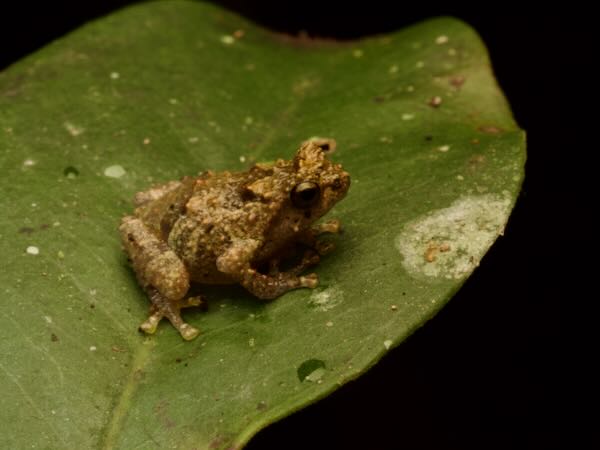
(166, 89)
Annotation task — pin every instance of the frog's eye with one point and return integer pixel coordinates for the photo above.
(305, 194)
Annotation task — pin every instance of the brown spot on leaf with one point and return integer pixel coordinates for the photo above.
(262, 405)
(304, 40)
(476, 161)
(138, 375)
(433, 249)
(430, 254)
(26, 230)
(490, 129)
(161, 411)
(457, 81)
(217, 442)
(435, 102)
(53, 337)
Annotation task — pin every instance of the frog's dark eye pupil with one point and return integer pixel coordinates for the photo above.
(305, 194)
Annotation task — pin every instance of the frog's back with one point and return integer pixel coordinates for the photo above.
(160, 213)
(211, 218)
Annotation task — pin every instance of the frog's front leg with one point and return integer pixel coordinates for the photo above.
(309, 237)
(236, 262)
(309, 258)
(162, 275)
(333, 226)
(272, 286)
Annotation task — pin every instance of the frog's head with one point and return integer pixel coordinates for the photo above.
(319, 183)
(296, 193)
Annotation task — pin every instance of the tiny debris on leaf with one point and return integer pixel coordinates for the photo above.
(435, 101)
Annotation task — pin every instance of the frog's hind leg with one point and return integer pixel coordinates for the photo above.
(155, 192)
(163, 307)
(161, 273)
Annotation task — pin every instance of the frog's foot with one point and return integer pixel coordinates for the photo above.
(271, 286)
(309, 238)
(310, 281)
(163, 307)
(323, 248)
(310, 258)
(332, 226)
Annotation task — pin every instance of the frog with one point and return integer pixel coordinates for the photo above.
(230, 227)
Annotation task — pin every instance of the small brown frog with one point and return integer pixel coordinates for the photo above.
(232, 227)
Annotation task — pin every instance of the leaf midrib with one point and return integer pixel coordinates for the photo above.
(111, 432)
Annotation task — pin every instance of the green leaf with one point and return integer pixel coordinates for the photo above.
(167, 89)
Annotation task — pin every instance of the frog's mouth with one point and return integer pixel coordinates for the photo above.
(335, 189)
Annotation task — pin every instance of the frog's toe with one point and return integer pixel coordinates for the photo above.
(170, 309)
(311, 258)
(331, 226)
(191, 302)
(149, 326)
(324, 248)
(188, 332)
(310, 281)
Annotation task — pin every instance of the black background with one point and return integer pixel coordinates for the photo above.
(484, 372)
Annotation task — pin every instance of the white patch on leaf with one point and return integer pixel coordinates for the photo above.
(33, 250)
(115, 171)
(327, 299)
(449, 242)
